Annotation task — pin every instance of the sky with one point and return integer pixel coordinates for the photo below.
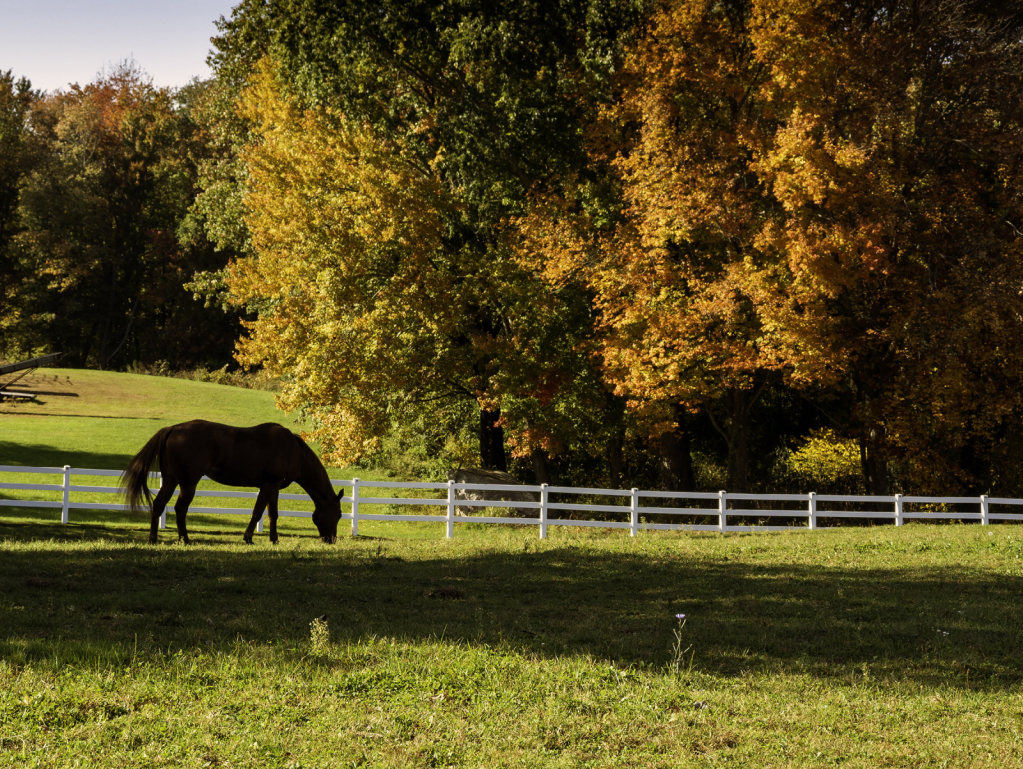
(55, 43)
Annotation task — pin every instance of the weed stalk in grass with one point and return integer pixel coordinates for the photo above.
(678, 656)
(319, 638)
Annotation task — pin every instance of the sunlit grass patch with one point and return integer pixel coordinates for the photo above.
(862, 647)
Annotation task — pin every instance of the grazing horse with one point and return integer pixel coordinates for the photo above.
(267, 456)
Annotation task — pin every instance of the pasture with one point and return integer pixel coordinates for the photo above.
(866, 647)
(858, 647)
(99, 419)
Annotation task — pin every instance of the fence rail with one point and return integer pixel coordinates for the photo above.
(633, 511)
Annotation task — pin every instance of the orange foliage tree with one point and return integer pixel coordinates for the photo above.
(898, 166)
(817, 193)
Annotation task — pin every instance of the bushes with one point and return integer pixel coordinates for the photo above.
(250, 380)
(824, 462)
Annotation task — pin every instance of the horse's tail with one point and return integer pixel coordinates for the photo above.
(134, 479)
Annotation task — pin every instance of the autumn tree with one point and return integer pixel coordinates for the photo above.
(817, 193)
(898, 165)
(681, 276)
(97, 247)
(468, 108)
(362, 297)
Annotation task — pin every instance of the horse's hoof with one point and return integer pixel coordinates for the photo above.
(247, 540)
(273, 541)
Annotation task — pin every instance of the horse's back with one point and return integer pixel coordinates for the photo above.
(234, 456)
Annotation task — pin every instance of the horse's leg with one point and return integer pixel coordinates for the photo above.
(162, 498)
(257, 512)
(181, 509)
(273, 515)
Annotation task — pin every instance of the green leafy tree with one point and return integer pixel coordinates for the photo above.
(19, 153)
(469, 106)
(97, 248)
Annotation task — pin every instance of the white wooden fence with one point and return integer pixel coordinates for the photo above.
(806, 510)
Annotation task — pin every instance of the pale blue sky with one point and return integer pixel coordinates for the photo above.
(57, 42)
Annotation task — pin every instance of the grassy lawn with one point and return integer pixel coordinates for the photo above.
(856, 647)
(99, 420)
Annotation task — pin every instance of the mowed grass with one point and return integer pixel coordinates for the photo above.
(859, 647)
(100, 420)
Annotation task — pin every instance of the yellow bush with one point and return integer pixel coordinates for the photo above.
(826, 462)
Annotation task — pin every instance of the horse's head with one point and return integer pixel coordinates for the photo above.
(326, 516)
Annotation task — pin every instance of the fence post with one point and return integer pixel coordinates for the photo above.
(813, 510)
(451, 510)
(67, 494)
(355, 507)
(722, 507)
(259, 523)
(898, 509)
(543, 511)
(985, 519)
(634, 513)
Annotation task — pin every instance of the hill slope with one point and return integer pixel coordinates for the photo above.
(101, 419)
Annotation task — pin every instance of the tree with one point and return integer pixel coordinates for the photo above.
(811, 192)
(468, 107)
(97, 249)
(898, 168)
(681, 277)
(362, 297)
(19, 152)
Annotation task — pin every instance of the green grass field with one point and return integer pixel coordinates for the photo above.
(860, 648)
(856, 647)
(99, 420)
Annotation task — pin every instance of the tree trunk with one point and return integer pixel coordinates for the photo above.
(675, 461)
(615, 456)
(108, 319)
(873, 461)
(539, 457)
(739, 404)
(492, 440)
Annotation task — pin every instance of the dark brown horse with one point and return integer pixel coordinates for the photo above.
(267, 456)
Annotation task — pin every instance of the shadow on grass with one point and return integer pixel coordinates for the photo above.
(42, 455)
(930, 626)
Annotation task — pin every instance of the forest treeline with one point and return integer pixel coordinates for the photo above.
(741, 244)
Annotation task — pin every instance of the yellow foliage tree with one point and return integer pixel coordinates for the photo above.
(373, 300)
(348, 275)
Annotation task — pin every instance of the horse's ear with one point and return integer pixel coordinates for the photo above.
(341, 493)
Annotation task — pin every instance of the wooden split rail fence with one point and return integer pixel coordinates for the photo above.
(803, 511)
